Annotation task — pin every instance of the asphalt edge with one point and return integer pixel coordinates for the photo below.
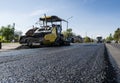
(110, 69)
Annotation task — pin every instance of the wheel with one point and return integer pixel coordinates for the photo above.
(29, 43)
(56, 44)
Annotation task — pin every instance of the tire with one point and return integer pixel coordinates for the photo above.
(29, 43)
(56, 43)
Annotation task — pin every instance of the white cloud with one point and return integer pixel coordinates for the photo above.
(39, 12)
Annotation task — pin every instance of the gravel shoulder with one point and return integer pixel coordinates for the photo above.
(9, 46)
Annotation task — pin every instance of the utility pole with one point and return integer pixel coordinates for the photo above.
(68, 19)
(13, 32)
(45, 20)
(14, 26)
(86, 34)
(67, 27)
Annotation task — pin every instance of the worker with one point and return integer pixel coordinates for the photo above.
(53, 25)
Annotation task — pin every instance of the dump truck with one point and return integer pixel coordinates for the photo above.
(49, 33)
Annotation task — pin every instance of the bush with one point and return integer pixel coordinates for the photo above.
(5, 41)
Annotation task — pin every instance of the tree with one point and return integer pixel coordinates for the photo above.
(7, 32)
(68, 33)
(87, 39)
(117, 35)
(109, 38)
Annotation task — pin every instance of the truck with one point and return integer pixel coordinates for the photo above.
(99, 39)
(49, 33)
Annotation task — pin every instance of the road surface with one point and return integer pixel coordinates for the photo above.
(78, 63)
(114, 52)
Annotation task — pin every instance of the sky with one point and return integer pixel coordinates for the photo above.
(87, 17)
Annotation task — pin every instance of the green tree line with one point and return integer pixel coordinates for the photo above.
(69, 34)
(115, 36)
